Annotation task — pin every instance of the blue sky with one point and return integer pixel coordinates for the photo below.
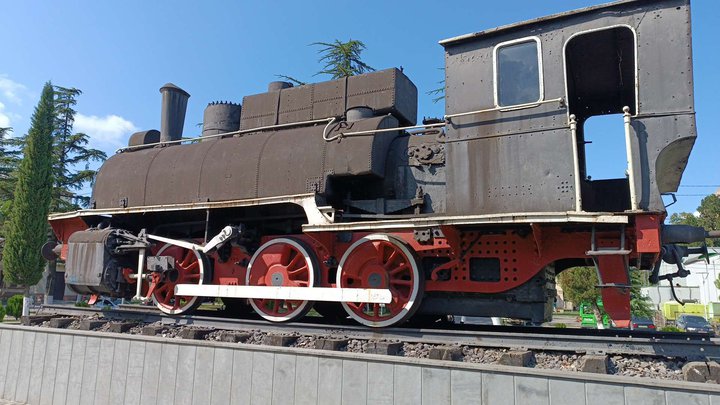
(120, 53)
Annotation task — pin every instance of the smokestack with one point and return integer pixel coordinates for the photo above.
(221, 117)
(174, 105)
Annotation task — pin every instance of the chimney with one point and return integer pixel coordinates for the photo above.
(174, 105)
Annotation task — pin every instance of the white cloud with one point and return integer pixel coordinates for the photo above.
(4, 117)
(110, 130)
(12, 91)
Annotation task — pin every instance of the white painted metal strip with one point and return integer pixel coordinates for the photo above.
(370, 295)
(176, 242)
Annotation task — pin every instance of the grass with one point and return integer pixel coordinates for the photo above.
(210, 306)
(566, 313)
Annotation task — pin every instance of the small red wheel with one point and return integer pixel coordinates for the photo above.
(282, 262)
(189, 268)
(381, 261)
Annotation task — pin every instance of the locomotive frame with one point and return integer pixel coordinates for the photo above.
(329, 195)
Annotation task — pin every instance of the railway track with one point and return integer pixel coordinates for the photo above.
(611, 342)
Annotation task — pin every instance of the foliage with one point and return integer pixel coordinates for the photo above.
(15, 306)
(438, 93)
(560, 325)
(9, 160)
(640, 305)
(342, 59)
(27, 225)
(2, 313)
(579, 285)
(291, 79)
(708, 217)
(70, 151)
(82, 304)
(670, 328)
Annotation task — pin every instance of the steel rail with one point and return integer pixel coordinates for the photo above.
(612, 342)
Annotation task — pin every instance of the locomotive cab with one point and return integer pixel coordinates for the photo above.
(600, 74)
(518, 99)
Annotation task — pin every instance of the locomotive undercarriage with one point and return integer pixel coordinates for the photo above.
(379, 277)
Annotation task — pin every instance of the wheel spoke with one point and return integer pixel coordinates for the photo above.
(285, 254)
(297, 271)
(401, 282)
(393, 256)
(295, 260)
(187, 258)
(399, 269)
(380, 252)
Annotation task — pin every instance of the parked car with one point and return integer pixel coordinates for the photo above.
(694, 323)
(637, 322)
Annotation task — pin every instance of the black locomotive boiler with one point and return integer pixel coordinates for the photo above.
(331, 195)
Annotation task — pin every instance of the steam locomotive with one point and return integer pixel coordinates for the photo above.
(332, 196)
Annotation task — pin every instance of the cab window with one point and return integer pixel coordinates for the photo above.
(517, 73)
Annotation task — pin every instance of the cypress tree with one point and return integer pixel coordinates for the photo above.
(27, 225)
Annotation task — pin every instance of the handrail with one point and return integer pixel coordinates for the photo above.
(576, 163)
(233, 133)
(506, 109)
(331, 120)
(630, 160)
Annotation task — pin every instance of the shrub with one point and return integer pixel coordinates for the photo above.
(82, 304)
(2, 313)
(15, 306)
(670, 329)
(560, 325)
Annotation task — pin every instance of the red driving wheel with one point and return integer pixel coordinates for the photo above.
(282, 262)
(189, 268)
(381, 261)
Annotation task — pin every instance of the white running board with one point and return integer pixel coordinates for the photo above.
(369, 295)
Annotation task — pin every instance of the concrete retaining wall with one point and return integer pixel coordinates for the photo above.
(48, 366)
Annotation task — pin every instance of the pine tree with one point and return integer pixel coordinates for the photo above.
(70, 151)
(342, 59)
(27, 224)
(9, 160)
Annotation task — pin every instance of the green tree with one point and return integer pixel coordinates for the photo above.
(340, 59)
(708, 217)
(438, 93)
(640, 305)
(70, 152)
(579, 285)
(15, 306)
(9, 160)
(27, 224)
